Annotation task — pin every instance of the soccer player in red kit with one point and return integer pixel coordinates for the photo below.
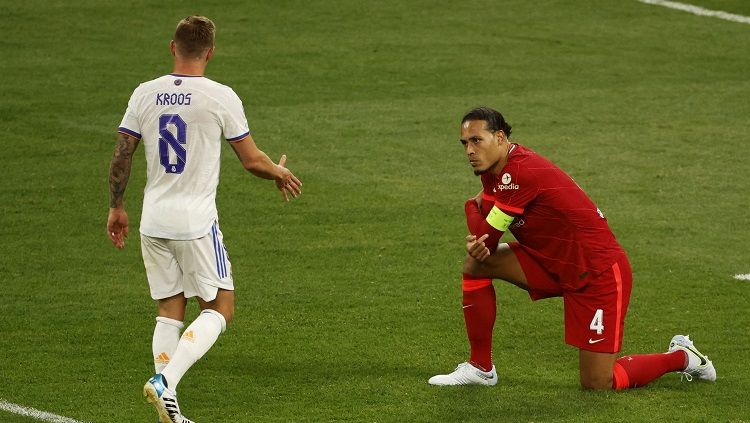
(564, 248)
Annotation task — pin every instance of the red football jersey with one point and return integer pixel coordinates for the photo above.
(554, 218)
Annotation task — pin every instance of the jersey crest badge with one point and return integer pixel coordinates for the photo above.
(506, 178)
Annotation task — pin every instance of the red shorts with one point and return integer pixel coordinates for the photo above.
(594, 314)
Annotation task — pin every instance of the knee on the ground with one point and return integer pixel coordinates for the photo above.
(596, 382)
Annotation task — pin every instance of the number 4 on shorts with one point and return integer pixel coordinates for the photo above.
(597, 323)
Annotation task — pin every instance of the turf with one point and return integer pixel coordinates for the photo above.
(348, 298)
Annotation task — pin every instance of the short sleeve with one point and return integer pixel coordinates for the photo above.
(234, 121)
(516, 188)
(130, 124)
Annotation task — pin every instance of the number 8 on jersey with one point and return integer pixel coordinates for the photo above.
(167, 139)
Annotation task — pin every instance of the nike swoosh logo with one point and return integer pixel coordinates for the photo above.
(594, 341)
(485, 376)
(467, 306)
(703, 360)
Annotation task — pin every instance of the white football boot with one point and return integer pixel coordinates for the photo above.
(164, 400)
(698, 364)
(466, 374)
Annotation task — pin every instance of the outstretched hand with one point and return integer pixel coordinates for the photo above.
(287, 183)
(117, 227)
(476, 248)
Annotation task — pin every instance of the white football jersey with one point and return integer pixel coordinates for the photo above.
(181, 120)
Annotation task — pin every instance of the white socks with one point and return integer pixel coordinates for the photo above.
(166, 337)
(195, 342)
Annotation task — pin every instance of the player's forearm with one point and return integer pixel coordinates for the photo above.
(478, 225)
(262, 166)
(119, 170)
(473, 216)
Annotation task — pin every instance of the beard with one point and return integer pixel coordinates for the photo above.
(478, 172)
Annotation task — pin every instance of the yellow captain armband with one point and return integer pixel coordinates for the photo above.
(499, 220)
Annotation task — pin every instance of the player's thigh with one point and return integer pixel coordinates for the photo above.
(502, 264)
(595, 314)
(596, 369)
(162, 269)
(513, 263)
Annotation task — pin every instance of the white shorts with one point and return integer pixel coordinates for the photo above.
(197, 267)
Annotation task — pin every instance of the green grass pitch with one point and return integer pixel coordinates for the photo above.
(348, 299)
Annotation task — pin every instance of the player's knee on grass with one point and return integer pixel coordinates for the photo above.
(596, 381)
(596, 369)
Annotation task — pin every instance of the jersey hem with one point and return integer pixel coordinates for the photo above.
(177, 236)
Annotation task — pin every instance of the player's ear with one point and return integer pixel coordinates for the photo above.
(500, 135)
(173, 48)
(210, 53)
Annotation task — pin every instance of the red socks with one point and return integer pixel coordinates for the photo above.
(479, 314)
(632, 371)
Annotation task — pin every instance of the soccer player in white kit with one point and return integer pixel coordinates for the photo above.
(181, 118)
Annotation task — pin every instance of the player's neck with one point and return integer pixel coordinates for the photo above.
(191, 68)
(498, 167)
(495, 170)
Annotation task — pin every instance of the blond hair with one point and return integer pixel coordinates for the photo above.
(194, 36)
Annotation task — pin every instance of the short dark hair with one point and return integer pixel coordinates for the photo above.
(495, 121)
(194, 35)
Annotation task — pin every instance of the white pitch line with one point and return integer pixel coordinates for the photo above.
(696, 10)
(745, 277)
(34, 413)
